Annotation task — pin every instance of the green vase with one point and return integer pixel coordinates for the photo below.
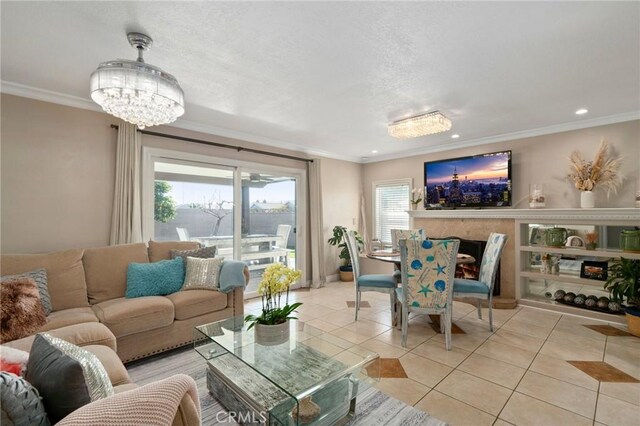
(630, 240)
(555, 237)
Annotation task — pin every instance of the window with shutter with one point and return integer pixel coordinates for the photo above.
(390, 205)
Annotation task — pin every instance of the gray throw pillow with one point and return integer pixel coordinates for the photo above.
(40, 277)
(203, 253)
(20, 402)
(67, 376)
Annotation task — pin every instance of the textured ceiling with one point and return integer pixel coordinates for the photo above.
(328, 77)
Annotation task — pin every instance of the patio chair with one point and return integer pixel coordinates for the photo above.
(282, 234)
(183, 234)
(428, 269)
(482, 289)
(381, 283)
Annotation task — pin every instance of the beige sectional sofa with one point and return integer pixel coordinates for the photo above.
(87, 288)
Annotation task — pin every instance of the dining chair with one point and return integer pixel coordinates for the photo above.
(482, 289)
(406, 234)
(381, 283)
(428, 268)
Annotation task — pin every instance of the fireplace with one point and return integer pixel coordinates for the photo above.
(471, 271)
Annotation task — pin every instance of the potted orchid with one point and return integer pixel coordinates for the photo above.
(272, 325)
(416, 197)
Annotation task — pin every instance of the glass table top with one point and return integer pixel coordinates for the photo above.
(308, 361)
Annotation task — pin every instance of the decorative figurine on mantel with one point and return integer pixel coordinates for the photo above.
(416, 197)
(603, 172)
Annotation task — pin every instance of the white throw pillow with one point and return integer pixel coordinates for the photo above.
(202, 274)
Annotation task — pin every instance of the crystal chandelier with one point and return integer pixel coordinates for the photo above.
(420, 125)
(137, 92)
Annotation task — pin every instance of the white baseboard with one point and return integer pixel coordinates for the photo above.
(333, 278)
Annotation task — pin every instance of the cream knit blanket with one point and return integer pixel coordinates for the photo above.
(154, 404)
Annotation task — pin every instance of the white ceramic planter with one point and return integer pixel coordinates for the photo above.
(271, 335)
(587, 200)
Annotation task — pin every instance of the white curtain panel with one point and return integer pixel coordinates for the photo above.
(126, 219)
(362, 229)
(318, 275)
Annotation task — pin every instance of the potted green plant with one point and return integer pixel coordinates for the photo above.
(339, 239)
(624, 283)
(272, 325)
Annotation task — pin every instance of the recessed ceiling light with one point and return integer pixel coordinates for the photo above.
(375, 151)
(456, 136)
(582, 111)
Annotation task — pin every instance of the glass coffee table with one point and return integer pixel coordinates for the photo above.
(313, 371)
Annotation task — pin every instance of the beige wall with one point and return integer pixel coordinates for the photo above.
(341, 188)
(57, 176)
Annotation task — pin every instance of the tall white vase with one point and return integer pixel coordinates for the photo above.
(587, 200)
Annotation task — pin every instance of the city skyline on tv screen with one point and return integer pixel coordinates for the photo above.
(469, 181)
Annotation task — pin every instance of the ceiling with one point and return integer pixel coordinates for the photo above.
(326, 77)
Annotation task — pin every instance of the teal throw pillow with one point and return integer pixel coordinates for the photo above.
(155, 279)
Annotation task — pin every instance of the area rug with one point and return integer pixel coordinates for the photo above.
(374, 408)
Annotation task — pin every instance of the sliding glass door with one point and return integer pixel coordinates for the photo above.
(253, 214)
(268, 222)
(194, 202)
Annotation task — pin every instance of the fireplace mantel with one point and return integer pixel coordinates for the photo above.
(541, 214)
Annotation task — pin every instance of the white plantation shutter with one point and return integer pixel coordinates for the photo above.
(391, 202)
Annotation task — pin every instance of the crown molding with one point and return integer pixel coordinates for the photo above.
(44, 95)
(540, 131)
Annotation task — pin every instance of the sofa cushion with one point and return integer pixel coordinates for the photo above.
(65, 275)
(161, 250)
(67, 317)
(67, 376)
(111, 362)
(130, 316)
(88, 333)
(40, 277)
(106, 269)
(21, 311)
(190, 304)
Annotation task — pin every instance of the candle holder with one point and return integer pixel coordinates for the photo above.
(536, 196)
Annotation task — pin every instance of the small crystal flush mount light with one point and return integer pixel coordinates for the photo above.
(420, 125)
(582, 111)
(137, 92)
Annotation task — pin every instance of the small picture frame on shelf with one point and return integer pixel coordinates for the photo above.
(594, 270)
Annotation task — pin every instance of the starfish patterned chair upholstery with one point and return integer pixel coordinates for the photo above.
(406, 234)
(381, 283)
(482, 289)
(428, 268)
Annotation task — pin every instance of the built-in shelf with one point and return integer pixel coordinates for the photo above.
(562, 278)
(570, 251)
(632, 214)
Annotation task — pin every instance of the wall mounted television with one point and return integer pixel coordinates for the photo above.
(469, 182)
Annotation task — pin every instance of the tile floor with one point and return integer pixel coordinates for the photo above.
(518, 375)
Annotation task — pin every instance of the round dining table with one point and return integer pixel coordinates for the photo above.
(391, 256)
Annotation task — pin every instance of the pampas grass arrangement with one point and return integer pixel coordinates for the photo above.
(602, 172)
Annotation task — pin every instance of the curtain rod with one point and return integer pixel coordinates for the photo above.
(218, 144)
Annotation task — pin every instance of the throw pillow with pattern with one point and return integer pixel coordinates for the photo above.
(202, 274)
(203, 253)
